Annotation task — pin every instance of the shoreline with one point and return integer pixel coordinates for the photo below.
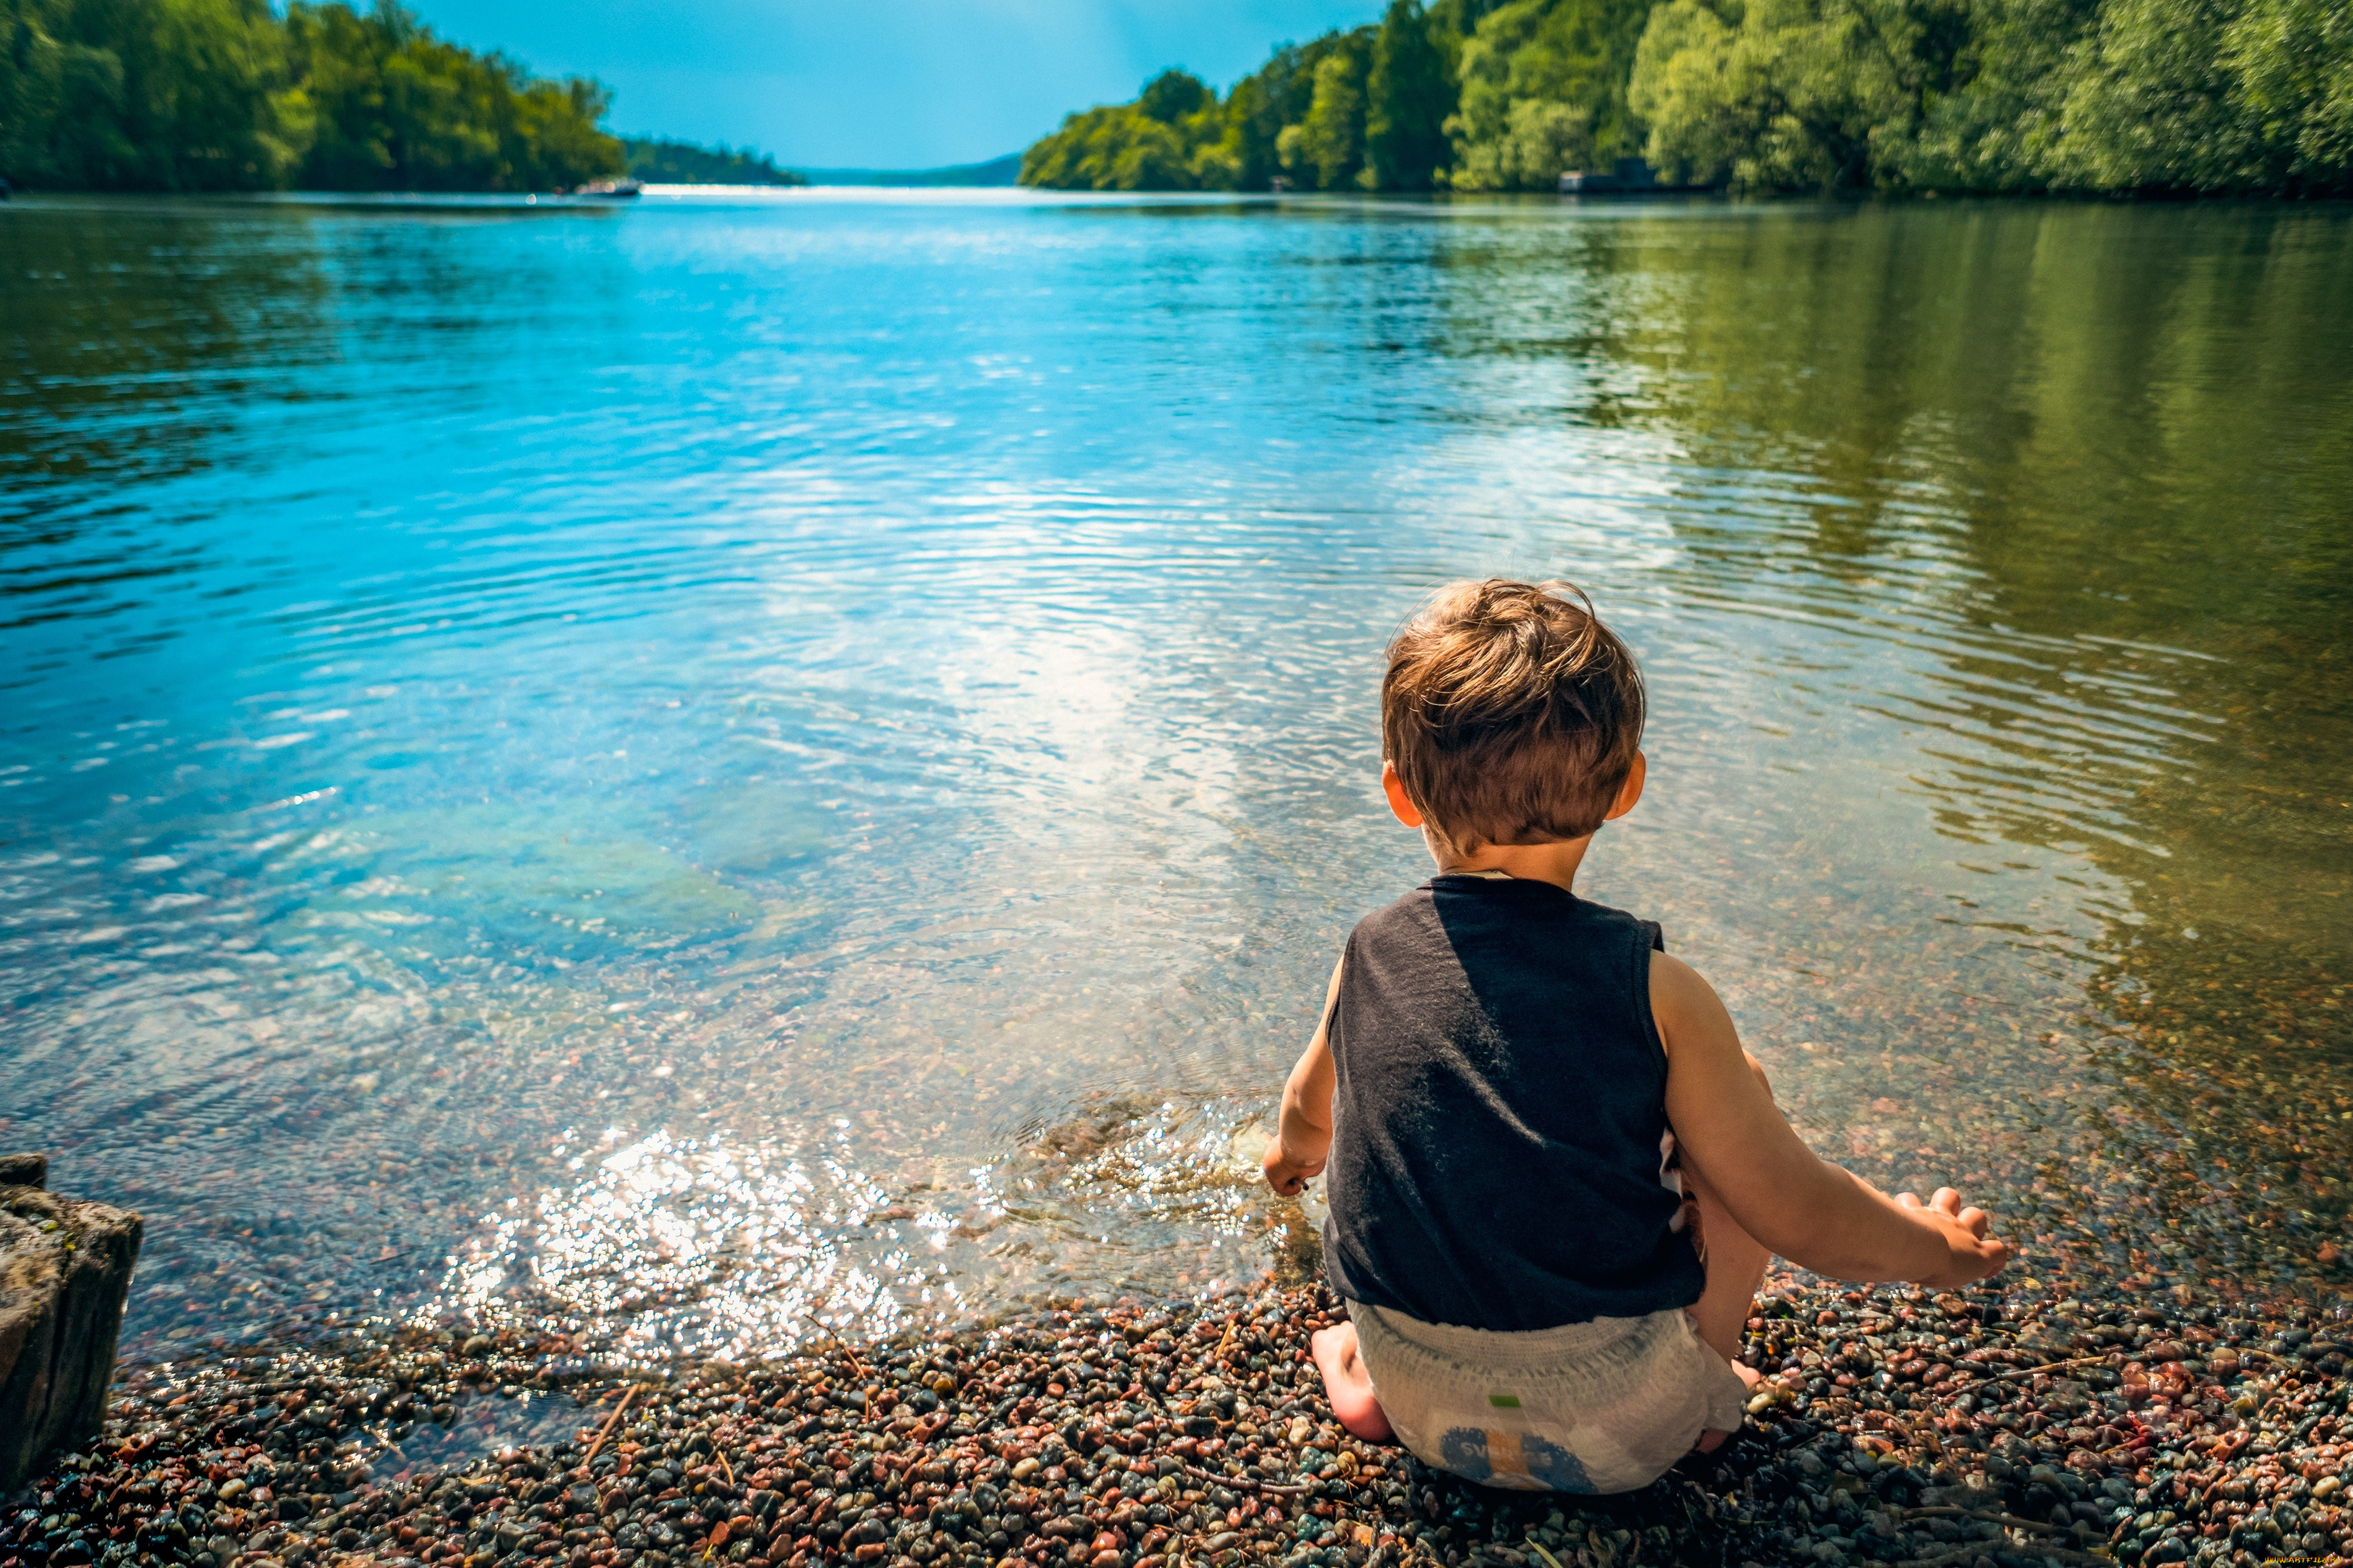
(1896, 1425)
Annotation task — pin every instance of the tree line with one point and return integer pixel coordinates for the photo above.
(2145, 96)
(660, 161)
(228, 95)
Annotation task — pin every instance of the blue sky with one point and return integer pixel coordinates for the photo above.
(881, 83)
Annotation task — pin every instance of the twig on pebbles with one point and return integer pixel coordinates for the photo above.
(2050, 1366)
(1212, 1476)
(1550, 1561)
(2011, 1520)
(1971, 1550)
(610, 1422)
(840, 1343)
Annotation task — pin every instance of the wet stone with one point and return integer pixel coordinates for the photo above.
(1990, 1449)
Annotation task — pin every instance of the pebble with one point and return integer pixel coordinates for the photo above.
(2014, 1424)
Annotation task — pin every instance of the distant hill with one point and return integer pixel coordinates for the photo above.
(663, 162)
(1005, 170)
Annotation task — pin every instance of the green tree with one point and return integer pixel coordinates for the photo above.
(1455, 20)
(1996, 125)
(551, 140)
(1174, 97)
(172, 95)
(1170, 139)
(2001, 95)
(1959, 95)
(1326, 149)
(1572, 55)
(1812, 94)
(2210, 95)
(1277, 96)
(1167, 139)
(2149, 104)
(1354, 110)
(211, 95)
(1541, 139)
(658, 161)
(2294, 64)
(49, 77)
(441, 118)
(339, 55)
(1085, 152)
(1408, 94)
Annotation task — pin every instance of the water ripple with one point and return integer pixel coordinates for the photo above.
(746, 772)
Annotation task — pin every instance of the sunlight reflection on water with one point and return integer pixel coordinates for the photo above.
(754, 1251)
(746, 770)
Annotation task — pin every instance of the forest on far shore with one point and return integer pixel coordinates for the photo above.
(2176, 97)
(228, 95)
(658, 161)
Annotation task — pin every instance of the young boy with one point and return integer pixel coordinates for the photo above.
(1555, 1175)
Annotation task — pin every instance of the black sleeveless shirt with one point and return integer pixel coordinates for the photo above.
(1500, 1113)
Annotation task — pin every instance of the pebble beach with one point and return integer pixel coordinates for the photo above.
(2000, 1425)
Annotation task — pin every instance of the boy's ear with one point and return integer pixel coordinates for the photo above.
(1394, 787)
(1629, 791)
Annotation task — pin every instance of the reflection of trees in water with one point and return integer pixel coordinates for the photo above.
(153, 350)
(2092, 460)
(135, 332)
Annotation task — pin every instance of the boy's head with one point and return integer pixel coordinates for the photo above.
(1511, 713)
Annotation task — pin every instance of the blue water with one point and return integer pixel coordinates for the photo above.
(695, 771)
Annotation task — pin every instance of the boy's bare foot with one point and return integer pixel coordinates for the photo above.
(1711, 1439)
(1346, 1384)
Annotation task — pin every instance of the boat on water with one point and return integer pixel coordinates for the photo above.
(611, 190)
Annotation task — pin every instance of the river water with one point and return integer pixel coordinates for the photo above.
(741, 768)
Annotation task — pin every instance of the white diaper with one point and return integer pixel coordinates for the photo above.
(1600, 1406)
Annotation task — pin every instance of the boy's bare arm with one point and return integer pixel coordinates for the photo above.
(1810, 1212)
(1298, 1149)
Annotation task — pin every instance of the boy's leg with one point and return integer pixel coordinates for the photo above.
(1734, 1261)
(1736, 1267)
(1346, 1384)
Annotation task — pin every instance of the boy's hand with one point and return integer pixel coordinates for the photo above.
(1970, 1254)
(1284, 1174)
(1306, 1121)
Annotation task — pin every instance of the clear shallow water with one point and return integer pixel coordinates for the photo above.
(716, 770)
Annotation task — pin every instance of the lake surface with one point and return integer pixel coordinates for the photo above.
(707, 771)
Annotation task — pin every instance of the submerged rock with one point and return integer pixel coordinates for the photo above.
(65, 1269)
(553, 877)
